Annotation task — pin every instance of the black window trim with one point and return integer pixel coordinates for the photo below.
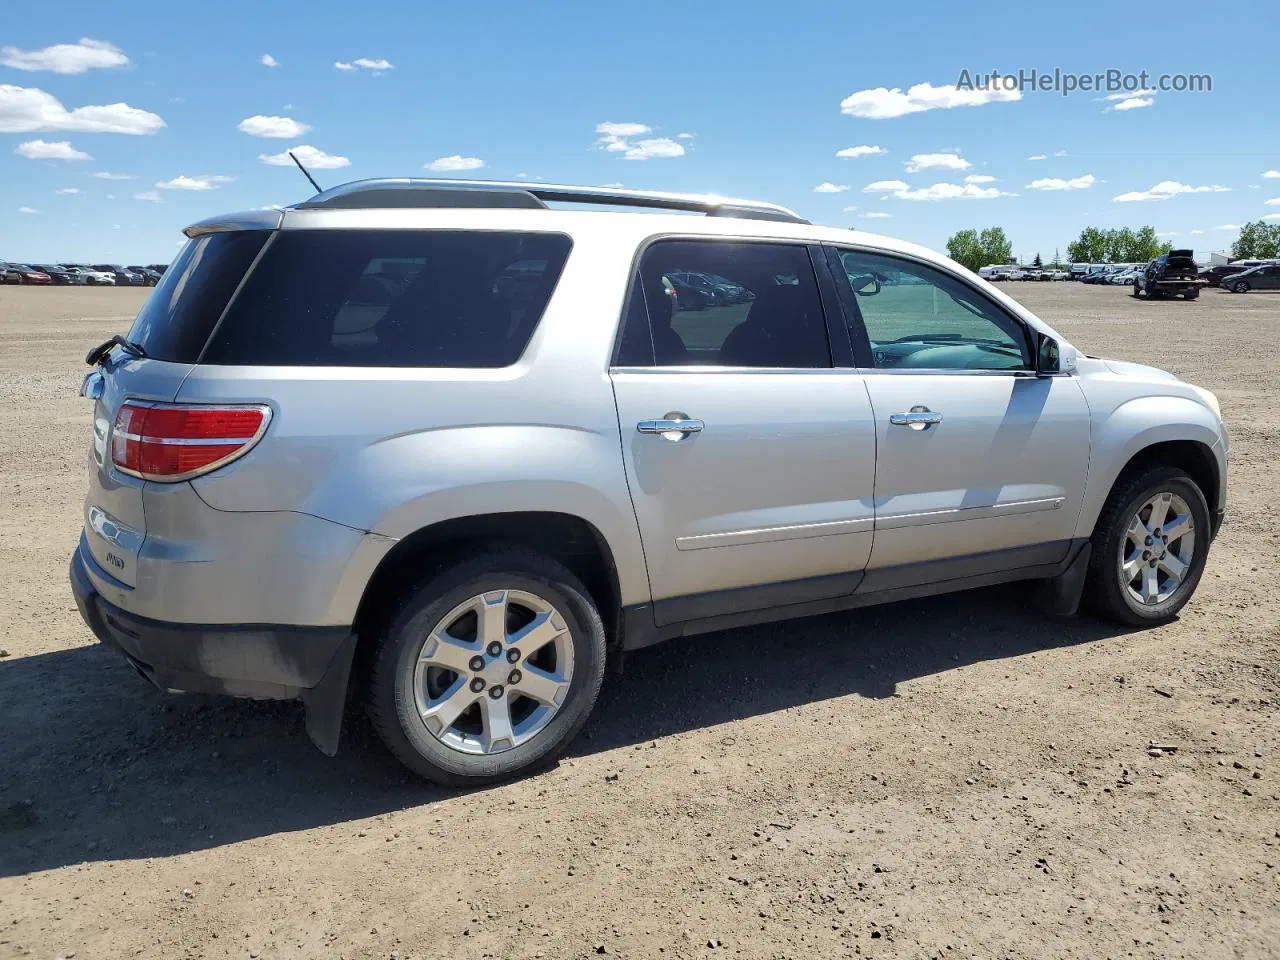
(837, 331)
(862, 340)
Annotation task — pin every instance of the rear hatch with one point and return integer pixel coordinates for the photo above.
(1180, 266)
(171, 329)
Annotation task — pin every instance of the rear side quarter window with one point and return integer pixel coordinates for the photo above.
(391, 298)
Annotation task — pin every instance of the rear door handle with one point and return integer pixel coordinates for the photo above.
(672, 427)
(917, 418)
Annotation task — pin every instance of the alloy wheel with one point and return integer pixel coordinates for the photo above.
(1158, 549)
(493, 672)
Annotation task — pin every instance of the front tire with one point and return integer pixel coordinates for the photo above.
(488, 670)
(1149, 547)
(1240, 287)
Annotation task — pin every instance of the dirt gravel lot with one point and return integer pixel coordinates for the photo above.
(961, 777)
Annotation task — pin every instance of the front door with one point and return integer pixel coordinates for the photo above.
(750, 456)
(981, 464)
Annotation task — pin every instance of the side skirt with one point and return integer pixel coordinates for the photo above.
(641, 629)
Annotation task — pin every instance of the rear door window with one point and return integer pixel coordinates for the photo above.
(391, 298)
(175, 322)
(729, 304)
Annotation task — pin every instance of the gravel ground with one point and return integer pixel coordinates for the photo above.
(961, 777)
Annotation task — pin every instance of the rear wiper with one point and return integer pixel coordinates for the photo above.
(99, 353)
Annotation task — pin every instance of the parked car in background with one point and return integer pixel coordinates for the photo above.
(122, 276)
(1216, 274)
(92, 276)
(4, 273)
(1123, 278)
(1258, 278)
(479, 501)
(61, 276)
(1078, 270)
(159, 268)
(25, 273)
(1057, 275)
(1169, 275)
(149, 277)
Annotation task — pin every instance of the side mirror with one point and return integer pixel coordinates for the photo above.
(1048, 357)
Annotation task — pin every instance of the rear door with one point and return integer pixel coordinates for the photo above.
(172, 328)
(749, 447)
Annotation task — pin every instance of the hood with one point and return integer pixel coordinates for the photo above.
(1124, 368)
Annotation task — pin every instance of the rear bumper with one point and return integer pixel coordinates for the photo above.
(261, 661)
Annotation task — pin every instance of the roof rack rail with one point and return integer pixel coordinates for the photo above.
(407, 192)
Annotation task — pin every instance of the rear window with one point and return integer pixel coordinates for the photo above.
(391, 298)
(175, 322)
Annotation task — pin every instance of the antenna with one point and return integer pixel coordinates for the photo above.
(304, 172)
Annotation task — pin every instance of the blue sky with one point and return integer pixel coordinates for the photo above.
(742, 99)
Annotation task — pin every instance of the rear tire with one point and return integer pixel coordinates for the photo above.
(1123, 585)
(488, 736)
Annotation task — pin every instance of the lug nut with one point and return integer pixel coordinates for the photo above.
(513, 655)
(1157, 531)
(495, 692)
(1148, 541)
(476, 664)
(515, 677)
(477, 685)
(1164, 539)
(1146, 554)
(495, 648)
(1154, 562)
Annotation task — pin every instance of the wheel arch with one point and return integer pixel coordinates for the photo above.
(569, 539)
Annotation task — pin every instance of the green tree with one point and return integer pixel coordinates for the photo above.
(1037, 262)
(1257, 241)
(1089, 247)
(975, 251)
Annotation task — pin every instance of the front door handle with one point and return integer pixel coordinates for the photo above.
(918, 418)
(674, 426)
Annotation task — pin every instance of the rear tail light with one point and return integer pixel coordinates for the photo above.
(171, 442)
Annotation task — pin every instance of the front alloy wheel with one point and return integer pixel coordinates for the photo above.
(1158, 549)
(1240, 287)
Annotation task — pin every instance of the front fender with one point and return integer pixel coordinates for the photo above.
(1135, 425)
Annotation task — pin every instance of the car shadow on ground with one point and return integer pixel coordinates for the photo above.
(97, 765)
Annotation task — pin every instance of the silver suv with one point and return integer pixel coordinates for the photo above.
(461, 448)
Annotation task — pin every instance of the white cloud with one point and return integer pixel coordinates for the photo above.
(377, 65)
(149, 195)
(27, 210)
(283, 128)
(1271, 175)
(201, 182)
(881, 103)
(1271, 216)
(1133, 103)
(850, 209)
(1273, 202)
(1059, 153)
(876, 215)
(454, 163)
(826, 187)
(111, 196)
(43, 150)
(885, 186)
(31, 110)
(103, 175)
(1113, 97)
(1195, 232)
(952, 191)
(684, 136)
(865, 150)
(612, 186)
(1039, 156)
(937, 161)
(312, 158)
(66, 57)
(269, 61)
(1227, 226)
(979, 178)
(1057, 183)
(619, 138)
(67, 191)
(654, 148)
(1168, 233)
(1166, 189)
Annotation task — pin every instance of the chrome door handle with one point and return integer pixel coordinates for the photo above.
(918, 418)
(672, 427)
